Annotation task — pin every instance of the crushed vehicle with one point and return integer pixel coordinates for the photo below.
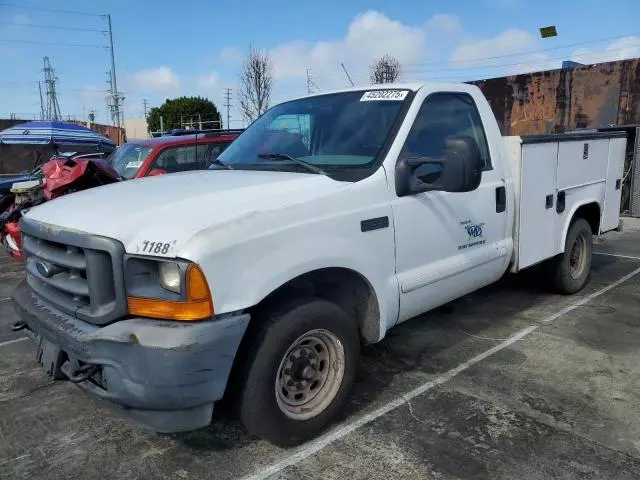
(331, 219)
(66, 174)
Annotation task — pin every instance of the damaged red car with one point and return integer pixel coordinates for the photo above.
(178, 152)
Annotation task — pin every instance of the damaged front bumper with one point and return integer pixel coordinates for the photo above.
(164, 375)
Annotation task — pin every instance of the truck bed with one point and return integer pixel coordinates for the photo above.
(553, 176)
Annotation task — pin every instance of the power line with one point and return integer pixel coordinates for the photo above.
(54, 27)
(60, 44)
(52, 10)
(534, 62)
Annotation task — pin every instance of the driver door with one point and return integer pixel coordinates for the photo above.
(447, 244)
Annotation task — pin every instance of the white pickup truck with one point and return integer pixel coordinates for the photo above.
(331, 219)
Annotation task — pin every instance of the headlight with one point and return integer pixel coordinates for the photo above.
(170, 276)
(169, 290)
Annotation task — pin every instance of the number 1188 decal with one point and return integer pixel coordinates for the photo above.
(155, 247)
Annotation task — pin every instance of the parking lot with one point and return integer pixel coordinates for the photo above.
(510, 382)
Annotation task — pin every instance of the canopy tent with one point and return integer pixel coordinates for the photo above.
(61, 135)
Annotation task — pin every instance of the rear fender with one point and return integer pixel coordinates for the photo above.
(570, 217)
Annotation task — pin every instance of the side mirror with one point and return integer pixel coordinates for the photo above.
(156, 171)
(460, 170)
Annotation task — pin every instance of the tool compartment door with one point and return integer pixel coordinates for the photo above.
(536, 239)
(613, 188)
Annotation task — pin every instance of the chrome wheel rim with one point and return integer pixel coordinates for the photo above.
(310, 375)
(578, 257)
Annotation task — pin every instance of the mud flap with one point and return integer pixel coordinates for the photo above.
(50, 357)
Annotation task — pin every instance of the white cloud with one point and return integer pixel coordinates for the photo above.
(620, 49)
(369, 35)
(505, 53)
(209, 82)
(158, 80)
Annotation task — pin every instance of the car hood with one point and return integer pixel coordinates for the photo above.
(171, 209)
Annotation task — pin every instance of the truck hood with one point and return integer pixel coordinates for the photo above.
(171, 209)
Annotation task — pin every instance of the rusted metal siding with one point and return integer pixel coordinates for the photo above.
(557, 100)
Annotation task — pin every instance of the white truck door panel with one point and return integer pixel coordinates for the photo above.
(613, 187)
(440, 236)
(537, 235)
(448, 244)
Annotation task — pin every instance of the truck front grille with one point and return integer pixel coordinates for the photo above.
(77, 273)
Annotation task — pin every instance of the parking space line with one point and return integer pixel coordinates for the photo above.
(617, 255)
(15, 340)
(305, 451)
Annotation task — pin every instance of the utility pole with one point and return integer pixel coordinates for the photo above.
(41, 101)
(145, 105)
(116, 97)
(347, 74)
(227, 97)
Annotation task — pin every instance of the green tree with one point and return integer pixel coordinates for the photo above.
(189, 109)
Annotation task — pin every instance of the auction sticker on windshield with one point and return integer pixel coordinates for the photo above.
(377, 95)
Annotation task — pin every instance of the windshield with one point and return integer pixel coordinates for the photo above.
(127, 159)
(335, 132)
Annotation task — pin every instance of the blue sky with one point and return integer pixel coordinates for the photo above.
(164, 49)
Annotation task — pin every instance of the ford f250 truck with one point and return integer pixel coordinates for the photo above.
(331, 219)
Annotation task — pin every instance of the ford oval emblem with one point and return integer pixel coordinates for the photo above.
(43, 269)
(474, 231)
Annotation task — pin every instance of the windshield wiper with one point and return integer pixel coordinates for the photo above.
(226, 166)
(283, 156)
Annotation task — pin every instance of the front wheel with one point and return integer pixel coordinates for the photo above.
(569, 272)
(301, 365)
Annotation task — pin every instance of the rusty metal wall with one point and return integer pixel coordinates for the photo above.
(556, 100)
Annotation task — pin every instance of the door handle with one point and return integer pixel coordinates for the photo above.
(548, 201)
(501, 199)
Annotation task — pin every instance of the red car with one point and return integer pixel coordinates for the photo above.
(135, 159)
(173, 153)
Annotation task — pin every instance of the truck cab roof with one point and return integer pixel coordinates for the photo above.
(411, 86)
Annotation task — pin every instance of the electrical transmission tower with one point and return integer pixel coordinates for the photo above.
(51, 109)
(311, 83)
(227, 97)
(145, 106)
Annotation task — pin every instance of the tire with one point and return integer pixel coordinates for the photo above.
(569, 272)
(297, 345)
